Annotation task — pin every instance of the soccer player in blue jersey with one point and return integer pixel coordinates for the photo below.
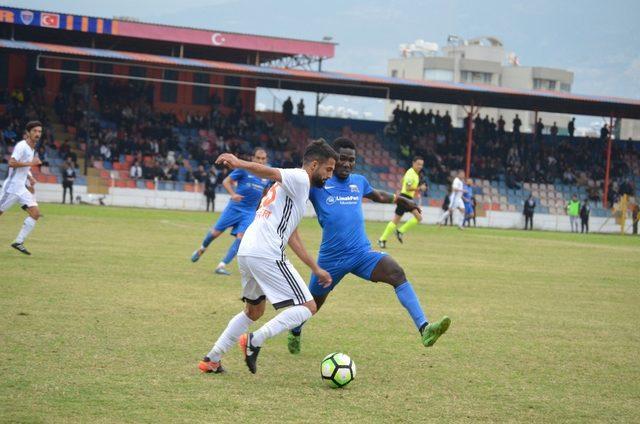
(467, 194)
(239, 212)
(345, 248)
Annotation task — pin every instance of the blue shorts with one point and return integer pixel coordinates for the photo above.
(468, 209)
(361, 264)
(236, 219)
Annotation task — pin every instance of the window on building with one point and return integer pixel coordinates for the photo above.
(394, 73)
(438, 75)
(169, 91)
(200, 93)
(565, 87)
(475, 77)
(544, 84)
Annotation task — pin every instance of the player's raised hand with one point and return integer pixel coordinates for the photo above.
(228, 160)
(324, 278)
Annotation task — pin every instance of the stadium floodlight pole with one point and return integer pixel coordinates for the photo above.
(469, 140)
(605, 197)
(315, 121)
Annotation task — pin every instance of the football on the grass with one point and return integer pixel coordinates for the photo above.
(338, 370)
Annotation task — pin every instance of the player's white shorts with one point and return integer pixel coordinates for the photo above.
(8, 199)
(455, 202)
(276, 280)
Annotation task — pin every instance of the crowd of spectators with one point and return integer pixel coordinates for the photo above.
(115, 118)
(21, 106)
(514, 156)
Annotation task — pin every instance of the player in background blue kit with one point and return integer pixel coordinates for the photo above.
(345, 248)
(467, 194)
(239, 212)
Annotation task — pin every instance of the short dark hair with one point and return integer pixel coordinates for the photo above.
(32, 124)
(257, 149)
(319, 150)
(416, 158)
(343, 143)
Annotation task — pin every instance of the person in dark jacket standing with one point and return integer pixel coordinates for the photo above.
(529, 208)
(68, 177)
(210, 185)
(585, 211)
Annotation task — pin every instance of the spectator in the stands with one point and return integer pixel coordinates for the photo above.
(172, 172)
(517, 123)
(135, 172)
(554, 132)
(301, 107)
(539, 129)
(501, 126)
(572, 127)
(604, 132)
(287, 109)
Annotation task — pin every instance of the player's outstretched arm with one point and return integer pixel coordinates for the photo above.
(262, 171)
(384, 197)
(295, 242)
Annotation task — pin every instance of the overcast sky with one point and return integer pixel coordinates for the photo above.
(599, 41)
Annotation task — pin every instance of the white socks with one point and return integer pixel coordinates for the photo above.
(237, 327)
(285, 320)
(27, 227)
(458, 218)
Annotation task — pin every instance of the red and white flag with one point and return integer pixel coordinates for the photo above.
(50, 20)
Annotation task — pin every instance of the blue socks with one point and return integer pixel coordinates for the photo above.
(409, 300)
(233, 251)
(207, 239)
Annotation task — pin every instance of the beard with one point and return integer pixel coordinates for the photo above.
(317, 181)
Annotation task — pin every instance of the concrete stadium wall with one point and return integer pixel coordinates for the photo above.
(160, 199)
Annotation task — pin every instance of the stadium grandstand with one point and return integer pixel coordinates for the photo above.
(114, 92)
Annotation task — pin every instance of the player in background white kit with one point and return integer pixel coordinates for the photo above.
(264, 268)
(15, 187)
(456, 205)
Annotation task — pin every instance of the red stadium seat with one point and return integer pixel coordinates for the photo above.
(150, 185)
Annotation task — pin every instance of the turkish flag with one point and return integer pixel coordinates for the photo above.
(50, 20)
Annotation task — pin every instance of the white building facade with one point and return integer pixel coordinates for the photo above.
(479, 61)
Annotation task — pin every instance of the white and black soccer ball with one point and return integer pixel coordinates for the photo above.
(337, 369)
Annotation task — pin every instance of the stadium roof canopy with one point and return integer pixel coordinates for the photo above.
(361, 85)
(169, 40)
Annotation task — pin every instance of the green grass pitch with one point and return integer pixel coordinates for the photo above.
(107, 320)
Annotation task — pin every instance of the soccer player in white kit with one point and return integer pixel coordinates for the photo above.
(15, 187)
(265, 271)
(455, 202)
